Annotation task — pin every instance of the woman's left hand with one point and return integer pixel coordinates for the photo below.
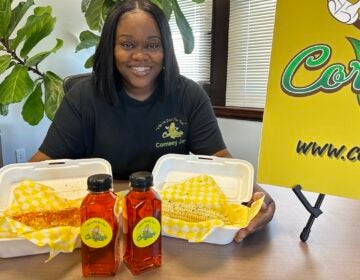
(261, 219)
(266, 212)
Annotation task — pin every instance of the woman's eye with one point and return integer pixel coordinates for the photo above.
(153, 46)
(127, 45)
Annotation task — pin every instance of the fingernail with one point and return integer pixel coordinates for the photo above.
(264, 206)
(240, 237)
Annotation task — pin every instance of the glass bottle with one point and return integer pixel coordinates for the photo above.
(142, 224)
(99, 228)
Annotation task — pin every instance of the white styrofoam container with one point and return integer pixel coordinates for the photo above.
(235, 177)
(68, 177)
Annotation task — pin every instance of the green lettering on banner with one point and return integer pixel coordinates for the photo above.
(332, 78)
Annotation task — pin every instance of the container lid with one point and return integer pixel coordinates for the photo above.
(66, 176)
(99, 182)
(141, 179)
(235, 177)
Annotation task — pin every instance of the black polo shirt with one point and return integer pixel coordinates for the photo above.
(133, 134)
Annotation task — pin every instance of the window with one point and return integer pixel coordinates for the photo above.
(196, 65)
(239, 57)
(251, 25)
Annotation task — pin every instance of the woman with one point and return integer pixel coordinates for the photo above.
(136, 106)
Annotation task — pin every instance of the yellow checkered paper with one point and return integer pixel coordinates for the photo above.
(201, 194)
(31, 196)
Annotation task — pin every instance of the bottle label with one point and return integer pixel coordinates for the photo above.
(146, 232)
(96, 233)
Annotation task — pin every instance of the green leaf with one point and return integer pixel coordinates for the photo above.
(54, 93)
(89, 62)
(93, 14)
(198, 1)
(165, 6)
(108, 4)
(5, 16)
(87, 40)
(4, 109)
(39, 11)
(16, 86)
(4, 62)
(59, 44)
(37, 27)
(184, 27)
(12, 63)
(85, 5)
(39, 30)
(358, 98)
(17, 14)
(2, 48)
(356, 46)
(36, 59)
(33, 109)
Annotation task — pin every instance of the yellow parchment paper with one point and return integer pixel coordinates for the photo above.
(203, 191)
(32, 196)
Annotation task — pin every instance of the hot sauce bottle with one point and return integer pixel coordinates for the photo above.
(99, 228)
(142, 224)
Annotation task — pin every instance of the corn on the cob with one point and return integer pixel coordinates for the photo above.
(49, 218)
(191, 212)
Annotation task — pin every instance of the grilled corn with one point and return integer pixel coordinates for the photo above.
(189, 212)
(49, 218)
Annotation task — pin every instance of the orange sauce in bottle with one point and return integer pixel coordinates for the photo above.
(142, 224)
(99, 228)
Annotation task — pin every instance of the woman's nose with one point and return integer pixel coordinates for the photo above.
(139, 54)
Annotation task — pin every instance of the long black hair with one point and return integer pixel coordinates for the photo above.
(106, 74)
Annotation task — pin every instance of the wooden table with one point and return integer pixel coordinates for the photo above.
(331, 252)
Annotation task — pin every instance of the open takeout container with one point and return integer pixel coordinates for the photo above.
(235, 177)
(68, 177)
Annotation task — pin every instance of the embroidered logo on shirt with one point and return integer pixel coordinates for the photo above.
(172, 131)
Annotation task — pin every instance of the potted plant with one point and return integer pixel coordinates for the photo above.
(42, 91)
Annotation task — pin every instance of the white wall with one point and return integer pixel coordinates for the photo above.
(241, 137)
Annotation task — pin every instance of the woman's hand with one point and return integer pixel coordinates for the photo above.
(267, 208)
(262, 218)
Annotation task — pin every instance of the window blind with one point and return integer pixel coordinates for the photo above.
(196, 65)
(250, 41)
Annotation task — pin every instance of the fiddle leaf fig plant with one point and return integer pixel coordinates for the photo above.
(96, 11)
(41, 91)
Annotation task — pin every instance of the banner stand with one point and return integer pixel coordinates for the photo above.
(313, 210)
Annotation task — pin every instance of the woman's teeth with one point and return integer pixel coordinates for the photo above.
(140, 70)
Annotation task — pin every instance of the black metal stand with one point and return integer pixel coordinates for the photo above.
(314, 211)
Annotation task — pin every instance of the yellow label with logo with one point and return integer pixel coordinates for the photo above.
(146, 232)
(96, 233)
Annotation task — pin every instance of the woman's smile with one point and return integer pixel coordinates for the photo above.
(140, 71)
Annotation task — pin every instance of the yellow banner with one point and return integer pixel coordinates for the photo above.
(311, 129)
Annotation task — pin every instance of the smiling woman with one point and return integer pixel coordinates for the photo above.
(136, 107)
(139, 54)
(137, 95)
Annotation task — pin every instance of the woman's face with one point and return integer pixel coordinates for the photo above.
(138, 53)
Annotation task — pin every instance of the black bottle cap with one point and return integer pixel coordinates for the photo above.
(141, 179)
(99, 182)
